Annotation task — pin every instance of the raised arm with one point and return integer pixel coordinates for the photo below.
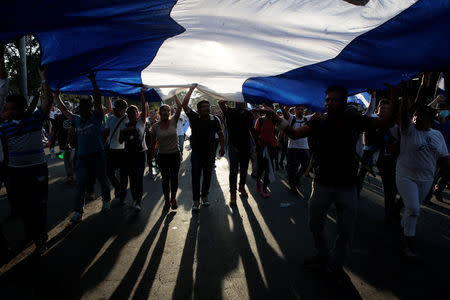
(3, 74)
(62, 107)
(185, 103)
(97, 96)
(371, 109)
(34, 102)
(108, 105)
(47, 100)
(223, 105)
(144, 106)
(178, 110)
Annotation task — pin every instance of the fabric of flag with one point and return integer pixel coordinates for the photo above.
(285, 51)
(361, 98)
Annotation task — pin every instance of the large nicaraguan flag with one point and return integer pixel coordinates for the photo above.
(284, 51)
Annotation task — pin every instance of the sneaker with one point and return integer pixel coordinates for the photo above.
(233, 199)
(173, 204)
(205, 201)
(77, 217)
(242, 190)
(196, 206)
(106, 206)
(138, 207)
(68, 180)
(316, 263)
(265, 193)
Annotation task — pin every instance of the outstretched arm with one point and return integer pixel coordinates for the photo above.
(178, 110)
(108, 105)
(185, 103)
(47, 101)
(97, 96)
(223, 105)
(62, 107)
(144, 107)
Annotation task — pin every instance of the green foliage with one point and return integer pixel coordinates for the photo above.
(13, 65)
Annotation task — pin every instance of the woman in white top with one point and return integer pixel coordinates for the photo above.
(133, 135)
(421, 149)
(165, 133)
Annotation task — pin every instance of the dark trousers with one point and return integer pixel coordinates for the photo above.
(297, 163)
(366, 162)
(116, 160)
(263, 164)
(28, 189)
(87, 170)
(239, 159)
(169, 165)
(135, 166)
(387, 167)
(201, 163)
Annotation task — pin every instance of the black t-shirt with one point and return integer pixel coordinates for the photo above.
(335, 150)
(203, 132)
(61, 126)
(239, 124)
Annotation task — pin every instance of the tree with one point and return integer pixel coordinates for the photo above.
(13, 65)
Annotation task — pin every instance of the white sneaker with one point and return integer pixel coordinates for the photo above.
(77, 217)
(106, 206)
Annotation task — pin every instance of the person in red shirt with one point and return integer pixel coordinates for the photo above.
(265, 150)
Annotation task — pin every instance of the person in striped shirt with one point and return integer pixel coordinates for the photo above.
(27, 173)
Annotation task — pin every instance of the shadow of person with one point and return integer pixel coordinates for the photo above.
(148, 278)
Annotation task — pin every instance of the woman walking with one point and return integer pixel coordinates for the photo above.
(133, 135)
(169, 158)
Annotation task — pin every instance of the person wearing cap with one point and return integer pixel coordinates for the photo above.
(115, 150)
(204, 127)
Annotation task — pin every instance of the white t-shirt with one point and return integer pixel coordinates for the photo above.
(180, 125)
(111, 124)
(299, 143)
(419, 152)
(140, 127)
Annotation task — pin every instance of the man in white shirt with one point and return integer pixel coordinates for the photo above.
(180, 131)
(115, 151)
(298, 150)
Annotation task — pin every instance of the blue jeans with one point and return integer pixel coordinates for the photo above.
(85, 167)
(181, 143)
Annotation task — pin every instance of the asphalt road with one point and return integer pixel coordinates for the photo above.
(252, 252)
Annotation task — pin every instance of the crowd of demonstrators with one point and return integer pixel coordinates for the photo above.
(204, 127)
(133, 138)
(240, 134)
(407, 140)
